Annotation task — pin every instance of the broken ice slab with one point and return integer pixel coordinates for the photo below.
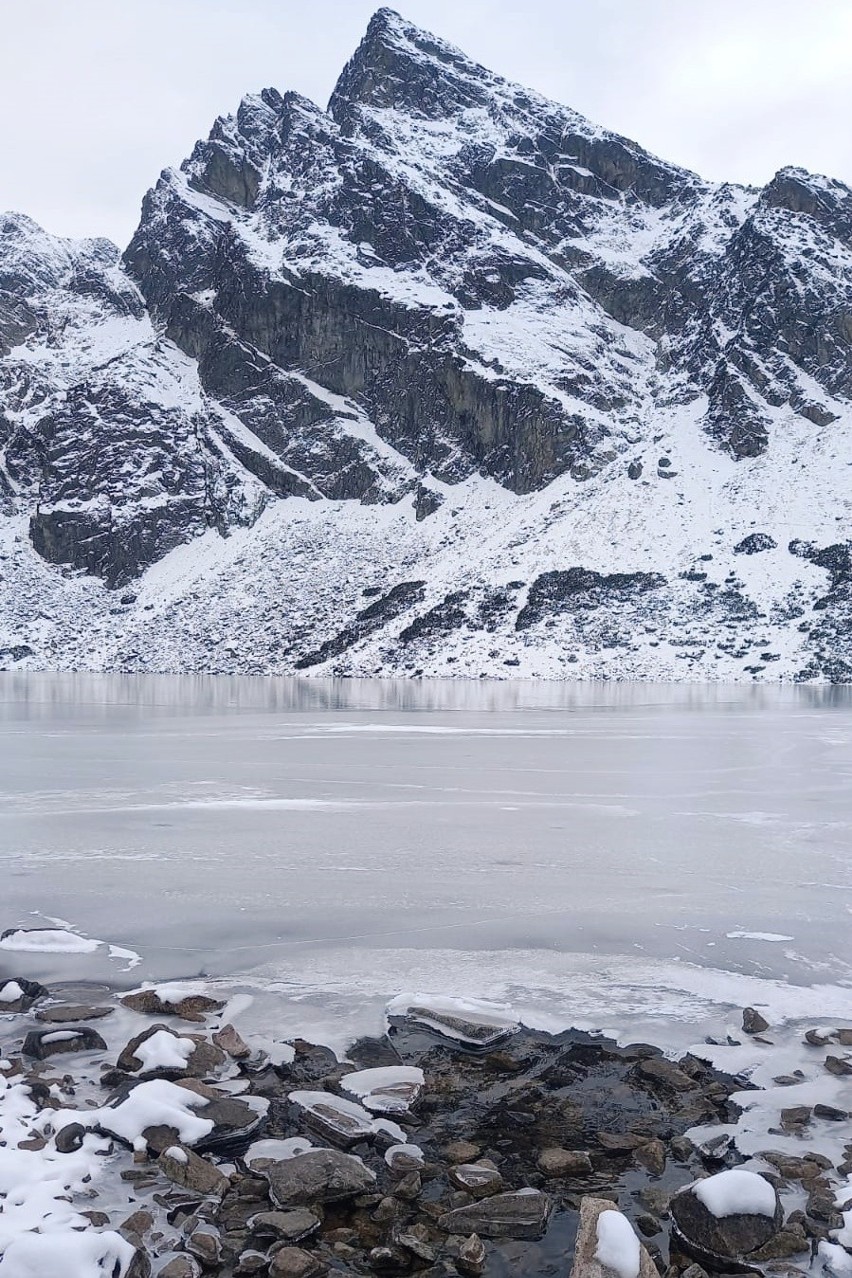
(389, 1089)
(469, 1022)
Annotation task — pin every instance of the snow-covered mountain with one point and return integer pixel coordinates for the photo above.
(444, 379)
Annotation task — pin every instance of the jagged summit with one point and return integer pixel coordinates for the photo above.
(557, 404)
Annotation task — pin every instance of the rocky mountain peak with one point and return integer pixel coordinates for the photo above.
(530, 377)
(399, 66)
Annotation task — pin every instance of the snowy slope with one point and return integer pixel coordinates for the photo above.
(444, 379)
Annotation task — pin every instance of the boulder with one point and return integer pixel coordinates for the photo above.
(187, 1006)
(228, 1039)
(753, 1022)
(726, 1216)
(319, 1176)
(160, 1052)
(18, 995)
(43, 1043)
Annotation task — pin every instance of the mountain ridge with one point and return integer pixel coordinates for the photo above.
(447, 307)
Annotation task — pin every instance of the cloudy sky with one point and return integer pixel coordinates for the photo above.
(97, 96)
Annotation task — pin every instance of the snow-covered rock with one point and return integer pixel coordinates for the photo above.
(444, 378)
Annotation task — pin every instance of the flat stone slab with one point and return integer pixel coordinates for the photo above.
(320, 1176)
(522, 1214)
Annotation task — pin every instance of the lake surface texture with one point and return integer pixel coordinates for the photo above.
(595, 854)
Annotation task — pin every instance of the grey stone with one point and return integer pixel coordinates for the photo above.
(521, 1214)
(184, 1167)
(320, 1176)
(564, 1162)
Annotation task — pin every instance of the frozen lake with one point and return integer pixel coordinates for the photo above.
(596, 852)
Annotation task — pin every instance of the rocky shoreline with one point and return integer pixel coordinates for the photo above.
(458, 1142)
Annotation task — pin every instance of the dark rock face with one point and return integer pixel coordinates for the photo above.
(580, 589)
(754, 544)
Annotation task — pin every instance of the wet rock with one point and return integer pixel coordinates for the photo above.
(789, 1241)
(19, 995)
(69, 1139)
(138, 1222)
(293, 1262)
(409, 1188)
(840, 1066)
(72, 1013)
(830, 1112)
(461, 1151)
(814, 1039)
(480, 1180)
(140, 1265)
(320, 1176)
(250, 1263)
(471, 1256)
(232, 1043)
(824, 1209)
(564, 1162)
(205, 1243)
(289, 1226)
(417, 1240)
(181, 1267)
(592, 1256)
(522, 1214)
(44, 1043)
(404, 1159)
(712, 1238)
(389, 1260)
(666, 1073)
(796, 1117)
(184, 1167)
(753, 1022)
(652, 1156)
(620, 1142)
(190, 1007)
(234, 1122)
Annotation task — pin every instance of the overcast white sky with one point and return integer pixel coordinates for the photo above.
(97, 96)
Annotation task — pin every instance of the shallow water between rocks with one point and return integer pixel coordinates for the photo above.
(644, 859)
